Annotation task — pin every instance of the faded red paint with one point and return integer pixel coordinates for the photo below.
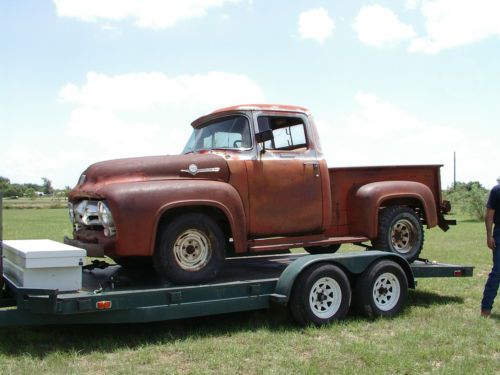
(270, 201)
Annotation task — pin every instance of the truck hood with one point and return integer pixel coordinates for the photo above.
(190, 166)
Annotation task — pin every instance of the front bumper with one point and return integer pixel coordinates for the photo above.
(96, 246)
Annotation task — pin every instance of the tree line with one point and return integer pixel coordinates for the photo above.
(12, 190)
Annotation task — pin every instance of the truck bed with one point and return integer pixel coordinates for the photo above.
(346, 180)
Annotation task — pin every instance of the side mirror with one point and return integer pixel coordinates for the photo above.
(264, 136)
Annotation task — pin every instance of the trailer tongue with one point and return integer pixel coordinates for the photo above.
(317, 289)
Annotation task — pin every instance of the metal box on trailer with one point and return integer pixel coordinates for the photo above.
(43, 264)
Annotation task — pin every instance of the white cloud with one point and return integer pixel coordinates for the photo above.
(378, 26)
(316, 24)
(451, 23)
(412, 4)
(154, 14)
(147, 113)
(379, 132)
(21, 162)
(144, 91)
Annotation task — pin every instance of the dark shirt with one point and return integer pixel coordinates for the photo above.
(494, 203)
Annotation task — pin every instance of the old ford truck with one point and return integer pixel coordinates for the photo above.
(251, 179)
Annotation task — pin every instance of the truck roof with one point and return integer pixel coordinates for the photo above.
(251, 107)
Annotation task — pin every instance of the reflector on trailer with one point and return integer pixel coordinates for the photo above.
(103, 305)
(457, 273)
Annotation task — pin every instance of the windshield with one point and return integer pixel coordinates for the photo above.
(226, 133)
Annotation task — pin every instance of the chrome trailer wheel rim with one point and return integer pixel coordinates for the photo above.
(325, 297)
(192, 250)
(386, 291)
(403, 236)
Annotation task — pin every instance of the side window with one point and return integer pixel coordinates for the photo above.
(289, 133)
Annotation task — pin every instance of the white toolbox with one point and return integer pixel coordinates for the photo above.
(43, 264)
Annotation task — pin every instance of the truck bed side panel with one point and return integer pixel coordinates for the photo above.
(344, 182)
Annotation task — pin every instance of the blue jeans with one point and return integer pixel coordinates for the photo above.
(491, 287)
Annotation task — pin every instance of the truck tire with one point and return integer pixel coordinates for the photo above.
(327, 249)
(400, 231)
(381, 291)
(191, 249)
(321, 294)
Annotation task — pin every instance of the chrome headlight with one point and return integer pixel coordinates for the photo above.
(104, 214)
(86, 213)
(106, 218)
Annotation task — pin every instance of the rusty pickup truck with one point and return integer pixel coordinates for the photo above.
(251, 179)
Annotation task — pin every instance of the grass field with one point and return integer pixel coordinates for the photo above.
(439, 332)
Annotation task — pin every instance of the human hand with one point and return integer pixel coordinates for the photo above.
(491, 242)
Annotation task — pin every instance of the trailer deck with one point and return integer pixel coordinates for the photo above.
(117, 295)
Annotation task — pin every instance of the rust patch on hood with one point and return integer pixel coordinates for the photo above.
(206, 166)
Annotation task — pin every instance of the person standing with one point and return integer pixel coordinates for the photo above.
(493, 241)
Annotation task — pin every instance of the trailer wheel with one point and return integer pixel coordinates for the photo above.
(321, 294)
(327, 249)
(191, 249)
(400, 231)
(382, 290)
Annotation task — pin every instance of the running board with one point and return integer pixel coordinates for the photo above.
(282, 243)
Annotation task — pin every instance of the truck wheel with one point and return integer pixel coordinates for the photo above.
(191, 249)
(321, 294)
(382, 290)
(400, 231)
(327, 249)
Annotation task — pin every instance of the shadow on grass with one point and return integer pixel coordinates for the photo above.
(83, 339)
(420, 298)
(42, 341)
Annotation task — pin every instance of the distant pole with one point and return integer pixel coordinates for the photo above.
(454, 170)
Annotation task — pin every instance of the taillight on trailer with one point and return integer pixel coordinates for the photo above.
(458, 273)
(103, 305)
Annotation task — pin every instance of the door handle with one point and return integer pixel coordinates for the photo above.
(315, 165)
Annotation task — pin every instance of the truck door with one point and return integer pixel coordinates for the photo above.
(285, 193)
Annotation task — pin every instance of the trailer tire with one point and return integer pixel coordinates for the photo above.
(327, 249)
(191, 249)
(381, 291)
(321, 294)
(400, 231)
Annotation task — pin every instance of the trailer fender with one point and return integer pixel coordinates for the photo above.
(352, 263)
(365, 202)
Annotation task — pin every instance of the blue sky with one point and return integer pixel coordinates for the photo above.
(389, 82)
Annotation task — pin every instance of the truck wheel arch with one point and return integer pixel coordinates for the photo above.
(233, 225)
(365, 203)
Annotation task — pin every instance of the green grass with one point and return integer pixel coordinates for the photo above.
(439, 331)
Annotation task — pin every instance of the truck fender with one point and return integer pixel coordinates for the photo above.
(223, 197)
(352, 263)
(138, 208)
(364, 204)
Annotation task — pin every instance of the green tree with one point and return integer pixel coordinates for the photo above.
(30, 192)
(47, 186)
(468, 199)
(4, 184)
